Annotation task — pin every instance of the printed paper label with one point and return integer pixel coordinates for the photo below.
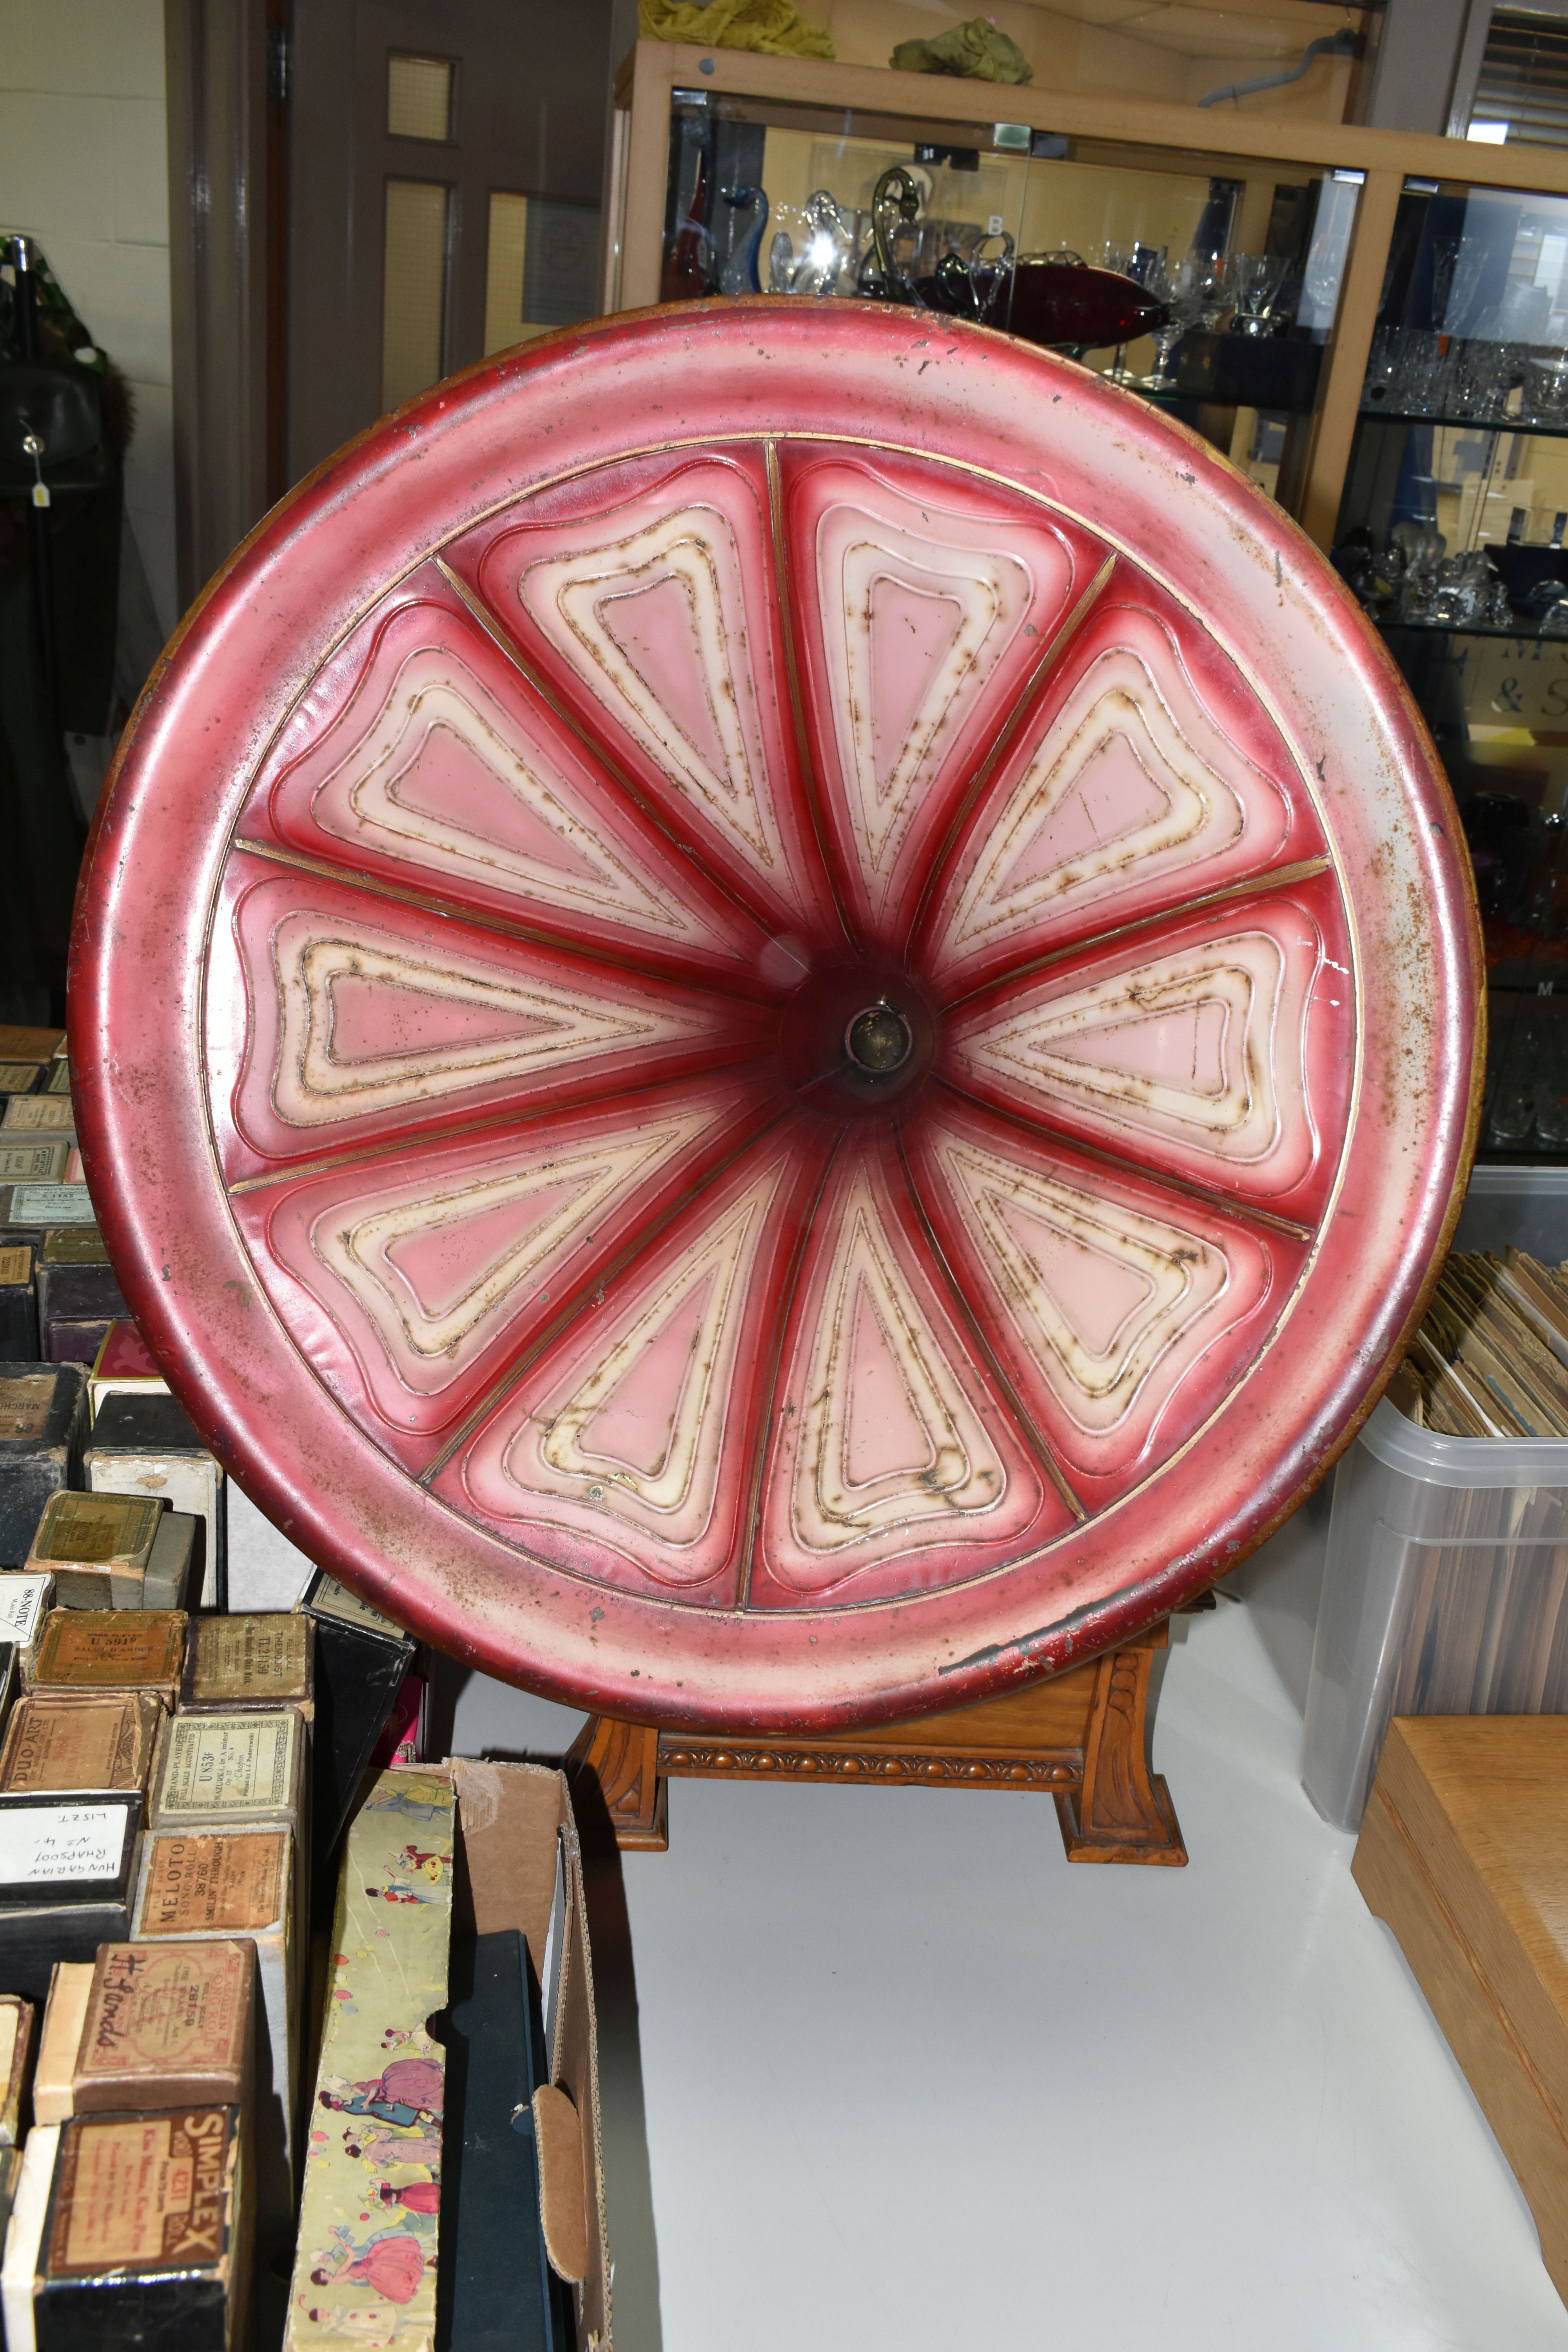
(149, 2190)
(331, 1599)
(29, 1166)
(37, 1115)
(25, 1404)
(232, 1884)
(110, 1646)
(87, 1743)
(227, 1763)
(16, 1263)
(166, 2010)
(252, 1657)
(52, 1204)
(93, 1529)
(22, 1600)
(56, 1842)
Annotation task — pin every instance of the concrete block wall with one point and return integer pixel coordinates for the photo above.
(83, 165)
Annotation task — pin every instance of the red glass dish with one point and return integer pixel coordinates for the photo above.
(775, 1014)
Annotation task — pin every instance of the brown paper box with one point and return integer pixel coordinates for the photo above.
(133, 2192)
(166, 2026)
(16, 2018)
(71, 1988)
(58, 1740)
(233, 1883)
(244, 1765)
(250, 1662)
(164, 2197)
(94, 1544)
(112, 1649)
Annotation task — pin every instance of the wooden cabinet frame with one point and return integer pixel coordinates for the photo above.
(1143, 131)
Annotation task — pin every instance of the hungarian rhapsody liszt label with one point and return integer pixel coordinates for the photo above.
(60, 1842)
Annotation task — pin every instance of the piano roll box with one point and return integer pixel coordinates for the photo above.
(145, 1445)
(459, 1905)
(42, 1416)
(219, 1884)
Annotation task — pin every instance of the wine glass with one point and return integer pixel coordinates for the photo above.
(1255, 279)
(1188, 292)
(1123, 260)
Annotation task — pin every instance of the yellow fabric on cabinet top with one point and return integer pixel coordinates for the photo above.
(974, 50)
(775, 26)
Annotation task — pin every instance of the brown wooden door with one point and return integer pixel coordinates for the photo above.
(445, 172)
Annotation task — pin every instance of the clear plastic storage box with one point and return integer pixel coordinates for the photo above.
(1444, 1592)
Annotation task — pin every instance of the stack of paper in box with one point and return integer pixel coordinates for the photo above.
(1491, 1359)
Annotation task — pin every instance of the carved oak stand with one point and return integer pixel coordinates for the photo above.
(1081, 1736)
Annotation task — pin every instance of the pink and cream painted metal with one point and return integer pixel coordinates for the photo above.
(775, 1014)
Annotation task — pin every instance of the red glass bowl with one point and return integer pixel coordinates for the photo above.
(775, 1014)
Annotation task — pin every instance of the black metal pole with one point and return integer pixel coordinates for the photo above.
(37, 516)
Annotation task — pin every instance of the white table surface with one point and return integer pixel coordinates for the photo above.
(882, 2070)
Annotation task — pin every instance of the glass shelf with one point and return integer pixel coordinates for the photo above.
(1465, 424)
(1527, 635)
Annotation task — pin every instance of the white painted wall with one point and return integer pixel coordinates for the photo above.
(83, 165)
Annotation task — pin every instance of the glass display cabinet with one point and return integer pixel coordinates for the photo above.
(1451, 531)
(1208, 281)
(1264, 236)
(1377, 343)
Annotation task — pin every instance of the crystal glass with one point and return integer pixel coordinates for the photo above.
(1254, 281)
(1381, 375)
(1539, 599)
(1546, 387)
(810, 248)
(1479, 378)
(1189, 291)
(744, 216)
(1552, 1102)
(1458, 596)
(1416, 388)
(1420, 552)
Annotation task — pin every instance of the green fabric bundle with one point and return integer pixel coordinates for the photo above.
(776, 27)
(974, 50)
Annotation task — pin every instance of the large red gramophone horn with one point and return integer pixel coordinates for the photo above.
(775, 1014)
